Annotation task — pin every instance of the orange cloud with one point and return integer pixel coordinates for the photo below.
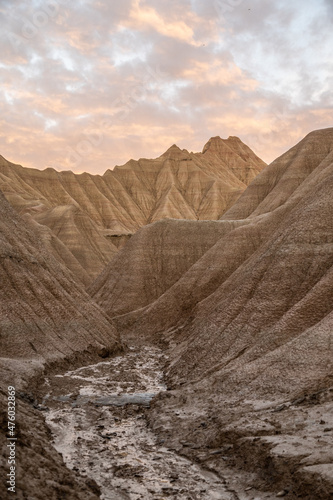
(142, 16)
(215, 73)
(175, 74)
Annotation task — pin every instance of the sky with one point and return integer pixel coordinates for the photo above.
(89, 84)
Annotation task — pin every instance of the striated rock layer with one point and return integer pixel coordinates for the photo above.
(45, 318)
(250, 321)
(260, 282)
(93, 215)
(156, 257)
(44, 313)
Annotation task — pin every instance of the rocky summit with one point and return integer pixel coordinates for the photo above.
(197, 362)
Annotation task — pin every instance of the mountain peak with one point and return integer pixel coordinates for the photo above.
(173, 150)
(178, 184)
(217, 143)
(232, 147)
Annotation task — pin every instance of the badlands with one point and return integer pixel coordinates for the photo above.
(168, 326)
(94, 215)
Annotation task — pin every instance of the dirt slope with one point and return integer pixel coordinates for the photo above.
(155, 258)
(90, 214)
(260, 286)
(44, 312)
(45, 318)
(250, 326)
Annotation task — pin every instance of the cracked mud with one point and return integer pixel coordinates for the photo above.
(96, 414)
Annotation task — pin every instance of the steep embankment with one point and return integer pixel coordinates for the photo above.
(264, 283)
(84, 239)
(250, 327)
(156, 257)
(92, 214)
(43, 312)
(45, 317)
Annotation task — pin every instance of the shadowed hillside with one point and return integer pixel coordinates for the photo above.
(44, 313)
(45, 318)
(249, 323)
(265, 276)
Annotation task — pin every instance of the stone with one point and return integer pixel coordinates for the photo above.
(282, 493)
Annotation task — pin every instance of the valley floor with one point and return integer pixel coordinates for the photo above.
(98, 417)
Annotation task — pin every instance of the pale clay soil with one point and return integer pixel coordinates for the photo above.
(97, 417)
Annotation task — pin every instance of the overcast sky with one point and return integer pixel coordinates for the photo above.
(88, 84)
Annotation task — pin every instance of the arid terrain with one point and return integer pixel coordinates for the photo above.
(84, 219)
(168, 326)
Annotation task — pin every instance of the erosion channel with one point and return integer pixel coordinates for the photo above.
(97, 417)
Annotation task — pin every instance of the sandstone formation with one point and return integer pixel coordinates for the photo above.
(94, 215)
(260, 277)
(243, 304)
(84, 239)
(45, 317)
(252, 317)
(155, 259)
(44, 313)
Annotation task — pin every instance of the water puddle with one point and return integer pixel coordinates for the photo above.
(96, 414)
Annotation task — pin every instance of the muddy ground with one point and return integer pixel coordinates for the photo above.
(97, 415)
(286, 446)
(123, 434)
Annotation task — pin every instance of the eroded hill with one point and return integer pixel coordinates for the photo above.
(93, 215)
(46, 318)
(249, 322)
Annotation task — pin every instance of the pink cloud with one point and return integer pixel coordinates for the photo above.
(105, 82)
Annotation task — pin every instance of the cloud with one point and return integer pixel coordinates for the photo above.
(143, 16)
(90, 85)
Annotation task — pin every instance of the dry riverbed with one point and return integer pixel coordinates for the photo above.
(97, 415)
